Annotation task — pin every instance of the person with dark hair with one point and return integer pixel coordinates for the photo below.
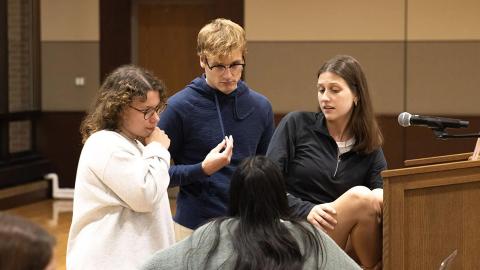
(258, 232)
(121, 211)
(24, 245)
(332, 161)
(214, 123)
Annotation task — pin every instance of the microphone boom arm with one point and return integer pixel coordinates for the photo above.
(442, 134)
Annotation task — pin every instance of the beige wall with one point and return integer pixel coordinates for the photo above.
(444, 20)
(285, 72)
(434, 70)
(62, 62)
(70, 49)
(444, 78)
(309, 20)
(424, 73)
(313, 20)
(69, 20)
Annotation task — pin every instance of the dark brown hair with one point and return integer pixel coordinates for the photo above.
(258, 200)
(362, 123)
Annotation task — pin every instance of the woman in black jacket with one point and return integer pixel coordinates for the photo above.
(332, 161)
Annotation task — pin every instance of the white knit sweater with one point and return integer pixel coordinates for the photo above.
(121, 212)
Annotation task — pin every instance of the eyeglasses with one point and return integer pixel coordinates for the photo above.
(147, 113)
(234, 68)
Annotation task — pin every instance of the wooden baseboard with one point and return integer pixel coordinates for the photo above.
(24, 194)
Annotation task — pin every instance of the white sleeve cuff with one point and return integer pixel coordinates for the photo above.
(155, 149)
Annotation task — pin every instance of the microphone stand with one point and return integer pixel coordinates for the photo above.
(440, 133)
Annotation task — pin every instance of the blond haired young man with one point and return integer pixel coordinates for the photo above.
(214, 123)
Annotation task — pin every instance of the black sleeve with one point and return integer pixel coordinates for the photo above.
(282, 147)
(299, 208)
(281, 151)
(267, 134)
(379, 164)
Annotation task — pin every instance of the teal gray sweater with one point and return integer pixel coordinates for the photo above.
(330, 257)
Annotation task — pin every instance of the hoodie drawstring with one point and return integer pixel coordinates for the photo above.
(219, 115)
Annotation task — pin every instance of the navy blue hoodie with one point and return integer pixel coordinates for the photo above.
(196, 120)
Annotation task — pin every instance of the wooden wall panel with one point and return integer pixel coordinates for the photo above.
(394, 140)
(167, 36)
(115, 35)
(167, 42)
(59, 140)
(420, 141)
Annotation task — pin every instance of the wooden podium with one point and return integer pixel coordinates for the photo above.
(432, 208)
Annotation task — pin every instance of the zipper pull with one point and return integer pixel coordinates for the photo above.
(336, 168)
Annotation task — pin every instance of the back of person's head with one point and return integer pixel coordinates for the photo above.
(220, 38)
(363, 124)
(118, 91)
(24, 245)
(261, 240)
(257, 192)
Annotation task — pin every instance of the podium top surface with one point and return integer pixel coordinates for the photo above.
(447, 166)
(437, 159)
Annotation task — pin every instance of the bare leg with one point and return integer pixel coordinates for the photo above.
(359, 217)
(350, 251)
(378, 195)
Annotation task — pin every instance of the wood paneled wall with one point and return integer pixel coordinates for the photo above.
(59, 140)
(115, 35)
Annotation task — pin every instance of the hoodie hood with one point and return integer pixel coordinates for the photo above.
(243, 102)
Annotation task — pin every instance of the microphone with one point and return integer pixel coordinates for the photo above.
(406, 119)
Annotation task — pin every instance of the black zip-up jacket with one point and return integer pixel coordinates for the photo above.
(308, 157)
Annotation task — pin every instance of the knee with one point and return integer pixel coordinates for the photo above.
(365, 200)
(360, 194)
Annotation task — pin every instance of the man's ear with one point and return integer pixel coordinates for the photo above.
(202, 64)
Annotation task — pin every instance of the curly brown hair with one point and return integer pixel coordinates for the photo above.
(118, 91)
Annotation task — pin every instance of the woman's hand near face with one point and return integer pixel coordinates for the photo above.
(159, 136)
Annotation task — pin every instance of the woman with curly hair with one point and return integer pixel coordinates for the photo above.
(121, 212)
